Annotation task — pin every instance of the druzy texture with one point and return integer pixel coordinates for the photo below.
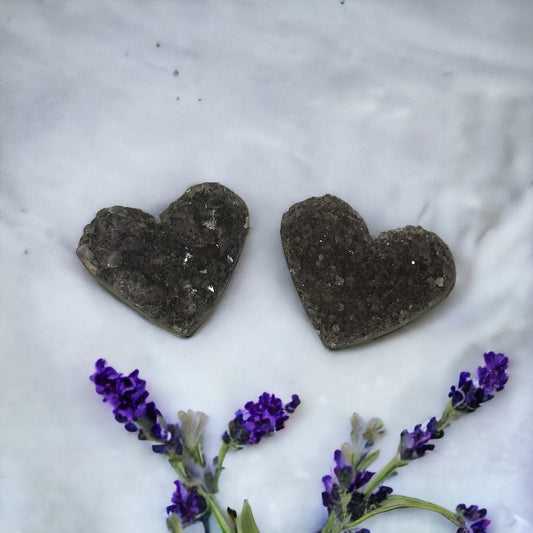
(356, 288)
(172, 272)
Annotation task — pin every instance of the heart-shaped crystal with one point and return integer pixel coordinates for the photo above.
(356, 288)
(175, 271)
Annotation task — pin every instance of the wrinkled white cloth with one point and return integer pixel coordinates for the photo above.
(412, 113)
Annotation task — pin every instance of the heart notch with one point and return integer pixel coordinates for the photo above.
(356, 288)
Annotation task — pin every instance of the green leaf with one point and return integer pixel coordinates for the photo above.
(368, 460)
(245, 520)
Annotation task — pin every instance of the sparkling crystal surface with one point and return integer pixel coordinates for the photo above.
(175, 271)
(354, 287)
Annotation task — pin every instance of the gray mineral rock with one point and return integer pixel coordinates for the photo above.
(175, 271)
(354, 287)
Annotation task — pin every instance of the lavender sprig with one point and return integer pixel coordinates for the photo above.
(343, 494)
(257, 420)
(471, 392)
(127, 395)
(194, 497)
(353, 494)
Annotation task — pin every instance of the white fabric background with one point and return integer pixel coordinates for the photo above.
(414, 113)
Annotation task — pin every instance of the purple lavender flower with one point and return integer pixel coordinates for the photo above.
(346, 480)
(346, 477)
(169, 436)
(258, 419)
(472, 518)
(331, 498)
(414, 444)
(378, 496)
(188, 504)
(293, 404)
(127, 395)
(359, 504)
(471, 392)
(493, 377)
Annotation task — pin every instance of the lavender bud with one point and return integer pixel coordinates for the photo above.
(471, 392)
(188, 504)
(414, 444)
(258, 419)
(472, 518)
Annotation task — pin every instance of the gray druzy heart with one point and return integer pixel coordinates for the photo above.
(356, 288)
(175, 271)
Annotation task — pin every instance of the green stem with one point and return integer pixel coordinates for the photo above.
(383, 474)
(396, 501)
(448, 416)
(221, 516)
(331, 525)
(224, 447)
(176, 461)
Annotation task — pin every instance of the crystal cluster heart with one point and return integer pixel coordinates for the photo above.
(173, 272)
(354, 287)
